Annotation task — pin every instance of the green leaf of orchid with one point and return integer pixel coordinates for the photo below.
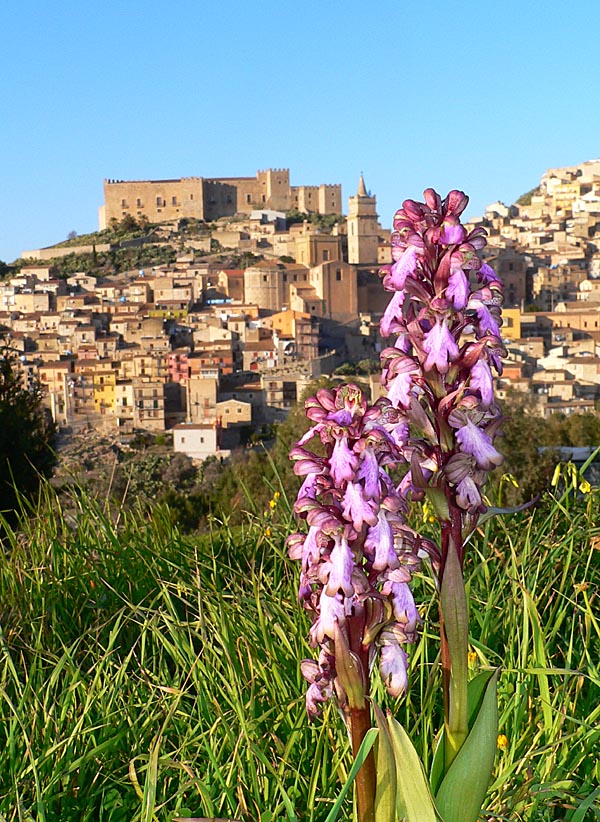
(464, 786)
(475, 692)
(349, 670)
(495, 512)
(414, 801)
(453, 602)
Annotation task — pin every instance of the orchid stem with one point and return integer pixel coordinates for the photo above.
(366, 779)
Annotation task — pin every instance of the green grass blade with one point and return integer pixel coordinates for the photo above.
(363, 752)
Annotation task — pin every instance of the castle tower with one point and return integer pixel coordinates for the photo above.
(362, 227)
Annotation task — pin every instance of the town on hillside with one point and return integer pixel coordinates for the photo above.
(256, 287)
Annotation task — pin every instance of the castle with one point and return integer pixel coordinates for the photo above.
(208, 199)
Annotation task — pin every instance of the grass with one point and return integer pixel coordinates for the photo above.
(147, 675)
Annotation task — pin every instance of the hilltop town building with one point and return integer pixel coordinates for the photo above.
(208, 199)
(225, 348)
(363, 228)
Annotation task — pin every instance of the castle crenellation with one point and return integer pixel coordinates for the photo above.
(210, 198)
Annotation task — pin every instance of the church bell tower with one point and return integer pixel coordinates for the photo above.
(363, 227)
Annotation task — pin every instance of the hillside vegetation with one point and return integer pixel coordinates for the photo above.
(147, 675)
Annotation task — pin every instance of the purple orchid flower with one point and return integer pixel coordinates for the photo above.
(440, 347)
(439, 418)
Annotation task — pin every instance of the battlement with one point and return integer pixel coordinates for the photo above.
(109, 181)
(214, 197)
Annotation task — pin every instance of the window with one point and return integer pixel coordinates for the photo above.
(264, 278)
(123, 203)
(183, 439)
(138, 203)
(201, 439)
(248, 198)
(325, 256)
(174, 201)
(338, 275)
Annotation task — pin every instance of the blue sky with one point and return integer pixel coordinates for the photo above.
(478, 96)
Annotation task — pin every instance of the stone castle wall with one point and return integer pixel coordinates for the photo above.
(323, 199)
(158, 200)
(210, 198)
(52, 252)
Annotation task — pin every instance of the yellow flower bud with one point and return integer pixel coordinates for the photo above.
(502, 741)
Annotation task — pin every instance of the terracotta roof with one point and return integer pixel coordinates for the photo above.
(264, 345)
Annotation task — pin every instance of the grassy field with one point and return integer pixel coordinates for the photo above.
(147, 675)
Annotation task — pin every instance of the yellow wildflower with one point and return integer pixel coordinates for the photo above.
(502, 741)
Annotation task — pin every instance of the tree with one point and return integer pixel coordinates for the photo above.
(26, 434)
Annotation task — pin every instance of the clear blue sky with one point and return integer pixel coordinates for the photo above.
(480, 96)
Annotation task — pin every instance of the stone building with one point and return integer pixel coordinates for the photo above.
(267, 284)
(208, 199)
(312, 249)
(363, 227)
(511, 266)
(198, 440)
